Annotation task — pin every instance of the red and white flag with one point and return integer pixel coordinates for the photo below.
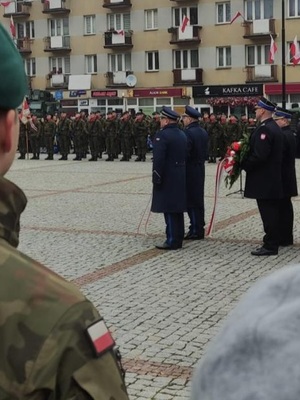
(120, 32)
(295, 52)
(12, 27)
(273, 50)
(25, 113)
(5, 3)
(236, 16)
(184, 23)
(100, 337)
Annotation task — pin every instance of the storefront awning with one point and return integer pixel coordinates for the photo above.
(276, 88)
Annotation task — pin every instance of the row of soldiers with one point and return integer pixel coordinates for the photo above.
(94, 134)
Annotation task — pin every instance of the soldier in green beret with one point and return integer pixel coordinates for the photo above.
(54, 344)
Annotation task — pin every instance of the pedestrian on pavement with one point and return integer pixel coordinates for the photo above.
(256, 354)
(197, 148)
(289, 180)
(263, 167)
(54, 344)
(169, 177)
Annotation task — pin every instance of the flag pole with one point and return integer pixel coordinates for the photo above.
(283, 53)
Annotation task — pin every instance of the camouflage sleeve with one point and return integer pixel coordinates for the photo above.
(67, 366)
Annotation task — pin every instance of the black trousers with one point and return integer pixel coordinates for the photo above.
(196, 215)
(286, 221)
(269, 212)
(174, 228)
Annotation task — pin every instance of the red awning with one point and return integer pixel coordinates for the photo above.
(276, 88)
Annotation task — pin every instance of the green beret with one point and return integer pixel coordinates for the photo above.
(13, 82)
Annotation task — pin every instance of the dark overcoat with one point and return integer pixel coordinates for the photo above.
(169, 171)
(197, 148)
(263, 164)
(289, 179)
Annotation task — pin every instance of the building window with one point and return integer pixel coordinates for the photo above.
(151, 19)
(223, 12)
(89, 24)
(258, 9)
(60, 65)
(119, 62)
(294, 8)
(91, 64)
(30, 67)
(152, 61)
(223, 57)
(59, 27)
(257, 55)
(25, 30)
(118, 22)
(180, 13)
(186, 59)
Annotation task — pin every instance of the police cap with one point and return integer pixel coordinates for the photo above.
(13, 82)
(169, 113)
(282, 113)
(266, 104)
(191, 112)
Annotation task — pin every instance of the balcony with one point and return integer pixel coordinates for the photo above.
(259, 29)
(57, 44)
(117, 79)
(191, 35)
(121, 38)
(113, 4)
(19, 9)
(55, 7)
(57, 80)
(24, 45)
(262, 73)
(188, 77)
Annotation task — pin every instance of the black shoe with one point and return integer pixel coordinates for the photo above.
(22, 157)
(61, 158)
(262, 251)
(33, 158)
(166, 246)
(37, 157)
(286, 243)
(138, 159)
(191, 236)
(75, 159)
(47, 158)
(93, 159)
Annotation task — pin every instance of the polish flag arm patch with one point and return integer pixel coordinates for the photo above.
(263, 136)
(100, 337)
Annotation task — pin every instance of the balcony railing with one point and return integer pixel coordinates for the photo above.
(188, 76)
(119, 38)
(24, 45)
(57, 43)
(116, 4)
(17, 9)
(57, 81)
(261, 73)
(191, 34)
(55, 7)
(117, 79)
(259, 28)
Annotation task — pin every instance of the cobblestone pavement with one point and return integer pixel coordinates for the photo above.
(90, 222)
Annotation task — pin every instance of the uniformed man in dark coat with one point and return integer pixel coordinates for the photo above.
(169, 178)
(289, 180)
(197, 147)
(263, 167)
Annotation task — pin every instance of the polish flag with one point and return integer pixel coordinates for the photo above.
(100, 337)
(295, 52)
(120, 32)
(236, 16)
(25, 113)
(273, 50)
(184, 23)
(5, 3)
(12, 27)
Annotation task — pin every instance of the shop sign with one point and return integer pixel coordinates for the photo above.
(228, 90)
(158, 92)
(104, 93)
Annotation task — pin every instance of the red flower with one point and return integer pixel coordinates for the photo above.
(236, 146)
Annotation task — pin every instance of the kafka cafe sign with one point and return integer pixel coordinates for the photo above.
(228, 90)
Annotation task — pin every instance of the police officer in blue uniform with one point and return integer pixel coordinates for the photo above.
(286, 212)
(197, 145)
(263, 167)
(169, 177)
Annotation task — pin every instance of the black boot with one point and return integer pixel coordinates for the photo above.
(33, 157)
(138, 159)
(22, 156)
(37, 156)
(48, 158)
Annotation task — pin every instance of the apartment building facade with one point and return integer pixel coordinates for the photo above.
(142, 54)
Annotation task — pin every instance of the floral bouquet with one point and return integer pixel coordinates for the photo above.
(235, 154)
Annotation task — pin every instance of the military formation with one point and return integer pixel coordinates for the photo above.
(127, 135)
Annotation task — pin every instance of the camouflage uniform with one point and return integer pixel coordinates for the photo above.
(49, 134)
(93, 131)
(23, 140)
(126, 139)
(111, 126)
(64, 132)
(79, 132)
(214, 130)
(35, 131)
(141, 130)
(46, 353)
